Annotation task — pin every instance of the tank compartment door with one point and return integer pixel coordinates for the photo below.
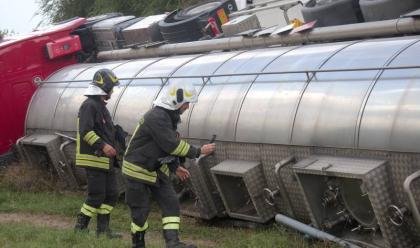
(241, 185)
(47, 150)
(350, 198)
(207, 202)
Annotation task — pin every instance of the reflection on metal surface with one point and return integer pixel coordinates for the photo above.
(204, 65)
(390, 116)
(268, 110)
(42, 107)
(220, 100)
(67, 73)
(330, 107)
(68, 107)
(138, 97)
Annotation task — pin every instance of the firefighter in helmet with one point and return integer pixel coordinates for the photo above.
(154, 138)
(97, 152)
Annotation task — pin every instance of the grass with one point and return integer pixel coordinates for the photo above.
(62, 207)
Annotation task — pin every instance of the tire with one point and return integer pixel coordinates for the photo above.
(332, 12)
(175, 31)
(197, 9)
(186, 25)
(378, 10)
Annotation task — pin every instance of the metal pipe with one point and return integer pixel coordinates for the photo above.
(254, 5)
(411, 200)
(307, 72)
(277, 168)
(313, 232)
(385, 28)
(65, 136)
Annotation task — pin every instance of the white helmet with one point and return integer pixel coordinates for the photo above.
(175, 95)
(94, 90)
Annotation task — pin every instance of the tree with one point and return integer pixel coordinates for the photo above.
(59, 10)
(6, 32)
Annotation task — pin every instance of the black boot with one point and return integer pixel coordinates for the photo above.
(172, 240)
(103, 227)
(82, 222)
(138, 239)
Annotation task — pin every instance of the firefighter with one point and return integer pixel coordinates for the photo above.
(147, 173)
(96, 152)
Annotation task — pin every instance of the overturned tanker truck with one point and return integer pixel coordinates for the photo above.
(322, 127)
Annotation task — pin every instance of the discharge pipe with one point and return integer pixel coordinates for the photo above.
(313, 232)
(400, 26)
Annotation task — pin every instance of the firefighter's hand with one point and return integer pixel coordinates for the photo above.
(182, 173)
(208, 149)
(109, 151)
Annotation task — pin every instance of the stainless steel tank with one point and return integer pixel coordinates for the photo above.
(310, 100)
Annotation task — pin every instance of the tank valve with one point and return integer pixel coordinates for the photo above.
(330, 196)
(269, 195)
(396, 215)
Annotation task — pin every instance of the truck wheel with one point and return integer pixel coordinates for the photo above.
(330, 13)
(180, 30)
(378, 10)
(198, 9)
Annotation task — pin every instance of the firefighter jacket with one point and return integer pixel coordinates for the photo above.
(155, 137)
(94, 129)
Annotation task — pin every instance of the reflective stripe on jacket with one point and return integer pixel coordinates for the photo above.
(154, 137)
(94, 129)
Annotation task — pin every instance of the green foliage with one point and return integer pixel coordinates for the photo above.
(6, 32)
(59, 10)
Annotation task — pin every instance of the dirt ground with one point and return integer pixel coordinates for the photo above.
(43, 220)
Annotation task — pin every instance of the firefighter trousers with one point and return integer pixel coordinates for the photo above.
(138, 198)
(102, 191)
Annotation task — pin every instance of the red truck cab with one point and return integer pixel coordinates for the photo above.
(26, 60)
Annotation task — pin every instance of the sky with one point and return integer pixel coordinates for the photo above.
(18, 15)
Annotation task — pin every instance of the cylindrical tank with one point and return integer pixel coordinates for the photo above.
(350, 109)
(352, 106)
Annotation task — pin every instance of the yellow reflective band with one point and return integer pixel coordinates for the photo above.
(137, 168)
(78, 138)
(171, 219)
(93, 161)
(89, 135)
(88, 210)
(82, 162)
(179, 148)
(113, 79)
(89, 157)
(135, 228)
(91, 138)
(188, 94)
(185, 150)
(138, 175)
(172, 91)
(164, 168)
(108, 207)
(101, 80)
(171, 226)
(105, 209)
